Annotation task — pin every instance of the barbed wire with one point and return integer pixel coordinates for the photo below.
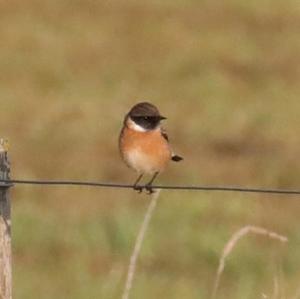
(9, 183)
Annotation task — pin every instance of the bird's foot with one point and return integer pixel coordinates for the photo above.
(149, 189)
(139, 189)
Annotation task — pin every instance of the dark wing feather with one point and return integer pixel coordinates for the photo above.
(175, 158)
(165, 135)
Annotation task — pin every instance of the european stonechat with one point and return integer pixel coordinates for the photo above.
(144, 145)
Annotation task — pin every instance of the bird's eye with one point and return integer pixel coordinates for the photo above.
(146, 117)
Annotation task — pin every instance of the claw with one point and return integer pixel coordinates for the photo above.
(148, 186)
(139, 189)
(149, 189)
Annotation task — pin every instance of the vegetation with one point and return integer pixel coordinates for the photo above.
(225, 73)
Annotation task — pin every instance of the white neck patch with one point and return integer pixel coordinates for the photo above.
(132, 125)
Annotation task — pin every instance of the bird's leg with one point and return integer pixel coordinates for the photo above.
(149, 185)
(135, 186)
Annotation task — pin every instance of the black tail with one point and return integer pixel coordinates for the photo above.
(176, 158)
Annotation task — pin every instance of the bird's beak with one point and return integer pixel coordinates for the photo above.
(162, 117)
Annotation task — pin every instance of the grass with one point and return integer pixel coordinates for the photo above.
(226, 74)
(228, 248)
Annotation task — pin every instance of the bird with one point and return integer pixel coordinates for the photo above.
(144, 145)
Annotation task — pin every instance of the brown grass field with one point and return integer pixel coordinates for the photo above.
(225, 73)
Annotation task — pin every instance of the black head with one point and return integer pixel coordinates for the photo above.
(145, 115)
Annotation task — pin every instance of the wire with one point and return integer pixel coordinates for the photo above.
(8, 183)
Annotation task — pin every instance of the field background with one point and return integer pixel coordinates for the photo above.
(225, 73)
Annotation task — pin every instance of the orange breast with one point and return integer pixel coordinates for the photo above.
(146, 152)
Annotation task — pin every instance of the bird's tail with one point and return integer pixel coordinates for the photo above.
(176, 158)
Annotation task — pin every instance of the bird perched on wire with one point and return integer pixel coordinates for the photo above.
(144, 145)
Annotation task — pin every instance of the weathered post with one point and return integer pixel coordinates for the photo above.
(5, 225)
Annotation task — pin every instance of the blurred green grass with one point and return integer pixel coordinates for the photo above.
(227, 76)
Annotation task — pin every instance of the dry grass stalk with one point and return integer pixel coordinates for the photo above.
(276, 289)
(233, 241)
(138, 244)
(5, 227)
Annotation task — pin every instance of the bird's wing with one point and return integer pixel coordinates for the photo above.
(164, 134)
(174, 157)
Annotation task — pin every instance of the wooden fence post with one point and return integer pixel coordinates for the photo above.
(5, 225)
